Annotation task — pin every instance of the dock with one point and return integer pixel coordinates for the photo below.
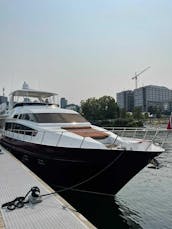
(53, 212)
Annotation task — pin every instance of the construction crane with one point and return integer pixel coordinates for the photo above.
(138, 74)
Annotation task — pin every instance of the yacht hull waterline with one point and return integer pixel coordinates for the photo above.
(92, 170)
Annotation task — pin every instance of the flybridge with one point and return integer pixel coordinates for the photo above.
(29, 96)
(32, 93)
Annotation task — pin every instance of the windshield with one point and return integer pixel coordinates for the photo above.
(39, 99)
(53, 117)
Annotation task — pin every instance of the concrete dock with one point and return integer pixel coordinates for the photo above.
(53, 212)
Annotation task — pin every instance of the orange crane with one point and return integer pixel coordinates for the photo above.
(138, 74)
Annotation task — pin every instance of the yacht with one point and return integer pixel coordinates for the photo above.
(66, 150)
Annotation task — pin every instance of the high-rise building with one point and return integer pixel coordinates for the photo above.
(63, 102)
(125, 100)
(151, 96)
(3, 99)
(147, 98)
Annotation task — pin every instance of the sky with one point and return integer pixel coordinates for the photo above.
(85, 48)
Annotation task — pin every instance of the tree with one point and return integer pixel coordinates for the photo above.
(90, 108)
(137, 114)
(100, 109)
(108, 108)
(146, 115)
(123, 113)
(158, 113)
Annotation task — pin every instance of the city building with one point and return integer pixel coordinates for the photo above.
(63, 102)
(3, 99)
(71, 106)
(148, 98)
(153, 97)
(125, 100)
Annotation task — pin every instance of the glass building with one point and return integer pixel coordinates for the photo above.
(63, 102)
(3, 99)
(151, 97)
(125, 100)
(147, 98)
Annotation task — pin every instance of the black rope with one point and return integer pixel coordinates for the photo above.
(89, 178)
(16, 203)
(19, 202)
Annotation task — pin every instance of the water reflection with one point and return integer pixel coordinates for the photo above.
(103, 212)
(130, 216)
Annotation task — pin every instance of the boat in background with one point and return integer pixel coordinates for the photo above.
(66, 150)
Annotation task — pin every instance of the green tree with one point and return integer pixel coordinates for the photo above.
(100, 109)
(108, 108)
(123, 113)
(158, 113)
(90, 108)
(137, 114)
(146, 115)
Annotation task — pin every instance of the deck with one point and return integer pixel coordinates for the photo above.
(53, 212)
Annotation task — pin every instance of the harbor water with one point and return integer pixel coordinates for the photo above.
(145, 202)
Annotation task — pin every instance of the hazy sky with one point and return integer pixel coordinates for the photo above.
(85, 48)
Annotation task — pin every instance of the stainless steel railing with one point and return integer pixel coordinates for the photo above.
(161, 136)
(158, 135)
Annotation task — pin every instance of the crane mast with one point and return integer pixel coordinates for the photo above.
(138, 74)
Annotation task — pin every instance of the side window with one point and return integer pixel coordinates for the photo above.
(15, 116)
(25, 117)
(8, 125)
(20, 129)
(20, 116)
(32, 117)
(27, 130)
(29, 117)
(5, 126)
(16, 128)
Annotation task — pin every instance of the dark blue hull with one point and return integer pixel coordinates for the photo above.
(93, 170)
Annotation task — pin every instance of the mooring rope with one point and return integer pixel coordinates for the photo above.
(19, 202)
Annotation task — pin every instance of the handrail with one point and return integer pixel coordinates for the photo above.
(58, 141)
(152, 140)
(43, 136)
(82, 142)
(153, 134)
(156, 135)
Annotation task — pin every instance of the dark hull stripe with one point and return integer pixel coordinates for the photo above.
(109, 170)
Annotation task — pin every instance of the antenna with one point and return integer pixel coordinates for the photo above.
(3, 91)
(138, 74)
(25, 85)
